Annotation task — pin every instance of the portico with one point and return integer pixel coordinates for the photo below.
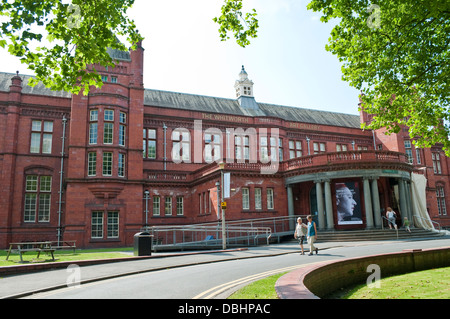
(354, 197)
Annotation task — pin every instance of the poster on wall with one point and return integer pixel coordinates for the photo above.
(348, 203)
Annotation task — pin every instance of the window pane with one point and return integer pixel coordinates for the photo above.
(31, 185)
(47, 144)
(152, 134)
(258, 198)
(36, 126)
(156, 206)
(35, 143)
(92, 164)
(93, 115)
(108, 133)
(44, 208)
(123, 118)
(122, 135)
(109, 115)
(179, 206)
(151, 149)
(30, 208)
(48, 127)
(97, 225)
(168, 206)
(107, 164)
(245, 199)
(113, 225)
(46, 184)
(269, 198)
(93, 133)
(121, 165)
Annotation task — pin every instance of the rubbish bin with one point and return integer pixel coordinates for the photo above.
(143, 244)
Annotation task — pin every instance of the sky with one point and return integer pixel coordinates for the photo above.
(287, 62)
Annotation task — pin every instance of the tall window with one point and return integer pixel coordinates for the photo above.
(93, 126)
(212, 147)
(408, 151)
(258, 199)
(149, 143)
(113, 225)
(107, 163)
(436, 163)
(92, 163)
(37, 198)
(41, 137)
(181, 150)
(121, 168)
(440, 197)
(263, 149)
(168, 206)
(98, 222)
(242, 147)
(319, 148)
(180, 208)
(245, 198)
(295, 149)
(156, 206)
(108, 127)
(97, 225)
(270, 198)
(122, 128)
(418, 156)
(341, 148)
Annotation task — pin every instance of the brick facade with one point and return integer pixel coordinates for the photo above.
(106, 173)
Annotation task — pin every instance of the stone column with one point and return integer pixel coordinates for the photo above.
(291, 212)
(402, 194)
(376, 203)
(320, 210)
(368, 203)
(329, 206)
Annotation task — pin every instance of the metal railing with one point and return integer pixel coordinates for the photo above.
(239, 233)
(393, 224)
(427, 220)
(195, 236)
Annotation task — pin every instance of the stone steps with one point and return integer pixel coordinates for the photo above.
(375, 234)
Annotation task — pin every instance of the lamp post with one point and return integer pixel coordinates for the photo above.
(146, 197)
(224, 234)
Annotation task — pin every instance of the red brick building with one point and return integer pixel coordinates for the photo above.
(123, 140)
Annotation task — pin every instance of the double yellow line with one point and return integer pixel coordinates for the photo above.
(215, 291)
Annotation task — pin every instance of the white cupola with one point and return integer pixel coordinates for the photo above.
(243, 86)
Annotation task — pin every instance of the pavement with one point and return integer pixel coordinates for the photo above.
(24, 280)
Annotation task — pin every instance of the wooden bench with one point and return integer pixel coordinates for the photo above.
(24, 247)
(64, 244)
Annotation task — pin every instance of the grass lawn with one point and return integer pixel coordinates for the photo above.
(427, 284)
(64, 255)
(261, 289)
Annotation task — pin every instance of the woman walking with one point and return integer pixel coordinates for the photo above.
(312, 235)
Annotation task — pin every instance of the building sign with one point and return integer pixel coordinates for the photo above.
(348, 203)
(227, 118)
(302, 126)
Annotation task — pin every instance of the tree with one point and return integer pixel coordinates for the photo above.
(80, 33)
(233, 20)
(397, 53)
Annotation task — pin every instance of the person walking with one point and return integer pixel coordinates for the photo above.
(390, 215)
(300, 233)
(406, 224)
(312, 235)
